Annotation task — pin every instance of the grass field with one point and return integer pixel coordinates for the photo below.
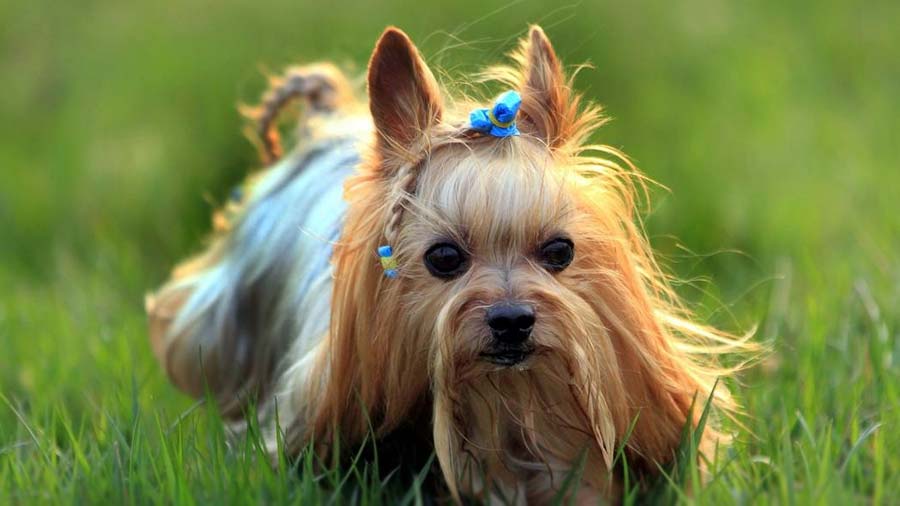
(774, 126)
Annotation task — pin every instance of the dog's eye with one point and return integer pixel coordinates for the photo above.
(445, 260)
(557, 254)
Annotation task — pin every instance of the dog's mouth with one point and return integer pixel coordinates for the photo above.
(507, 357)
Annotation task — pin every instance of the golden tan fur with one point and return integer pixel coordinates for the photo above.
(613, 344)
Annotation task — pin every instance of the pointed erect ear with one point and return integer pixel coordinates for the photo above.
(403, 95)
(546, 100)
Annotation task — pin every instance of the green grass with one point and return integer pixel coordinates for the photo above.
(773, 124)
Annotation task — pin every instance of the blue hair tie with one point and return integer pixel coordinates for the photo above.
(499, 120)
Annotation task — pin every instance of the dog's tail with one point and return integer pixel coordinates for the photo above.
(322, 86)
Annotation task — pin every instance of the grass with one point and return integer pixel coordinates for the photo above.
(772, 124)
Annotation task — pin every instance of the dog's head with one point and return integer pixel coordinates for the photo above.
(527, 307)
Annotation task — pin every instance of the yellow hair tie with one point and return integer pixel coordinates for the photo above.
(388, 262)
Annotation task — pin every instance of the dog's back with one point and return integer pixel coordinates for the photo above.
(227, 317)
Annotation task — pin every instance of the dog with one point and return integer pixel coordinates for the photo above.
(479, 271)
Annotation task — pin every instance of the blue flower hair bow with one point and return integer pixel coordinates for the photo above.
(499, 120)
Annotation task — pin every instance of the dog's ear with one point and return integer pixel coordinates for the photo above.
(403, 95)
(546, 98)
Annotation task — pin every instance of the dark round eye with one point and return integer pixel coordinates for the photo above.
(557, 254)
(445, 260)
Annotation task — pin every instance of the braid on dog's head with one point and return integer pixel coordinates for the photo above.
(404, 185)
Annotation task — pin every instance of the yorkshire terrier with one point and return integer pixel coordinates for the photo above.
(479, 270)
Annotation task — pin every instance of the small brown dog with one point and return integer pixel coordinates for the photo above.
(523, 317)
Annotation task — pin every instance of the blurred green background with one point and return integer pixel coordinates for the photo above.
(774, 125)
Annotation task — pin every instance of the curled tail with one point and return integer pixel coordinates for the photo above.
(212, 325)
(322, 86)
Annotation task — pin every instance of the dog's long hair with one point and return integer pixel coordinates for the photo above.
(614, 346)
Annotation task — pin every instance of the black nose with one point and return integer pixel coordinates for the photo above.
(510, 323)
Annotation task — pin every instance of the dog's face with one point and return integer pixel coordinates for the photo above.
(498, 268)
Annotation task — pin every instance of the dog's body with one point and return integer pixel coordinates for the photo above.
(529, 324)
